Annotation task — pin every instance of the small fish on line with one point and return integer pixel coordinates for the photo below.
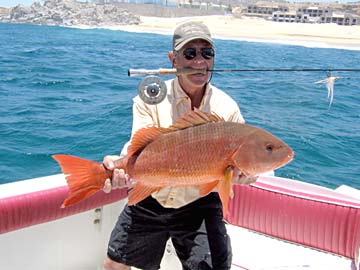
(199, 149)
(329, 83)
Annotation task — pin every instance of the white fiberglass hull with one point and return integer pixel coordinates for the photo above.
(79, 241)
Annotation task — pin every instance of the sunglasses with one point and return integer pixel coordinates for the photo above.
(206, 53)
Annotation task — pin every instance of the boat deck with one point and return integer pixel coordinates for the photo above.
(255, 251)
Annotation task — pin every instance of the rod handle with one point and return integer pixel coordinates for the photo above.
(146, 72)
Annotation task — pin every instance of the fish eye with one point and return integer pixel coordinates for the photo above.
(269, 147)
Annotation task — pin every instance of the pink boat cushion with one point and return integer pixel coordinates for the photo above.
(324, 222)
(33, 208)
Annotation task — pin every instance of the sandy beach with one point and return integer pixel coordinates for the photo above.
(259, 30)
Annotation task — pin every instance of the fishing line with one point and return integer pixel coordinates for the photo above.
(288, 70)
(348, 78)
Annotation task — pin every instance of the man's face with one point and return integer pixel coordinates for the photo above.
(197, 54)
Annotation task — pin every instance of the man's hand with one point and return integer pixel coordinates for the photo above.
(242, 179)
(119, 178)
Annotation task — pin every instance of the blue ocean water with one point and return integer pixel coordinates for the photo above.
(67, 91)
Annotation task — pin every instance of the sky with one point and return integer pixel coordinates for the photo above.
(12, 3)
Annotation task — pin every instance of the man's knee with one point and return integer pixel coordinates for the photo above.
(109, 264)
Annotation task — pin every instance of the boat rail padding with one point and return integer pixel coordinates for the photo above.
(299, 213)
(38, 207)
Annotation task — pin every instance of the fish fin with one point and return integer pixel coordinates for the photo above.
(225, 188)
(146, 135)
(142, 138)
(207, 188)
(195, 118)
(140, 192)
(80, 195)
(82, 176)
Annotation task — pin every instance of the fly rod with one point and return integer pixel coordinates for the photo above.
(174, 71)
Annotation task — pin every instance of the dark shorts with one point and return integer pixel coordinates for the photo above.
(140, 235)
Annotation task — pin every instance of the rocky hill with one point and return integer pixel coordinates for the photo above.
(69, 13)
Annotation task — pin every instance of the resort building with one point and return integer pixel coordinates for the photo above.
(279, 16)
(316, 15)
(314, 11)
(341, 19)
(265, 10)
(4, 11)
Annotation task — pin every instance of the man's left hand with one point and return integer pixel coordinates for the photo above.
(242, 179)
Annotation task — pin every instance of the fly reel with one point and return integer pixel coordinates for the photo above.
(152, 90)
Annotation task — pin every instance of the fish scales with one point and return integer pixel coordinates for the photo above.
(189, 156)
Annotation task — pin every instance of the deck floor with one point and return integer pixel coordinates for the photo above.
(255, 251)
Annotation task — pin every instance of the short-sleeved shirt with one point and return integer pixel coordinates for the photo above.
(176, 104)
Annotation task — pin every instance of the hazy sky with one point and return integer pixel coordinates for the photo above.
(12, 3)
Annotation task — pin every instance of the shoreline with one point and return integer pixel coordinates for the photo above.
(255, 30)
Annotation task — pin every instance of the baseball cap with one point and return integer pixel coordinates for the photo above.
(189, 31)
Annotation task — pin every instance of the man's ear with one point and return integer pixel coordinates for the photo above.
(171, 56)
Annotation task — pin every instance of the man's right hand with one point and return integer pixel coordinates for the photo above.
(119, 178)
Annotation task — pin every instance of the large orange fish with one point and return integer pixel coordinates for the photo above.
(200, 149)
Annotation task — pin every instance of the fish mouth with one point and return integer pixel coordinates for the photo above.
(290, 156)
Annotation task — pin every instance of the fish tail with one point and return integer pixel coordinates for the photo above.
(75, 197)
(84, 177)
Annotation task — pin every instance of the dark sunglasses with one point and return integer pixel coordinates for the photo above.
(207, 53)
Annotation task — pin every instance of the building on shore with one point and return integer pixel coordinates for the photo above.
(303, 14)
(4, 11)
(265, 10)
(341, 19)
(314, 11)
(280, 16)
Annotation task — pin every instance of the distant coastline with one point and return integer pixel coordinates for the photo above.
(257, 30)
(117, 17)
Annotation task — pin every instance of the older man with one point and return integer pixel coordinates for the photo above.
(194, 224)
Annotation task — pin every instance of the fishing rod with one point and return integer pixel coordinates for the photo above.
(152, 89)
(174, 71)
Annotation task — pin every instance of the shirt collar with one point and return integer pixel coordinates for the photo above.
(179, 94)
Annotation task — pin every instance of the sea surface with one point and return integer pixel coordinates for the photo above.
(65, 90)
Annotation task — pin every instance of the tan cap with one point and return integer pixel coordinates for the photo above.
(189, 31)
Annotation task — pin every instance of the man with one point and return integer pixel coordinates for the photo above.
(194, 224)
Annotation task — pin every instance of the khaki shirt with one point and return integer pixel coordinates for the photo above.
(176, 104)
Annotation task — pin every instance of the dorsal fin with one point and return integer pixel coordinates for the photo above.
(194, 118)
(145, 136)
